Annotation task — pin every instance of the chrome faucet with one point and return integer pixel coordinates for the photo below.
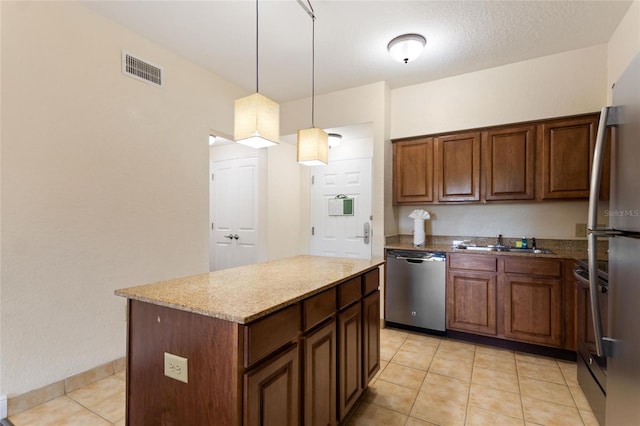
(499, 242)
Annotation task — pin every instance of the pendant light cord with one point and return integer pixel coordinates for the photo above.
(313, 68)
(312, 14)
(257, 47)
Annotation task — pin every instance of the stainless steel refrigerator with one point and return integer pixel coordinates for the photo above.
(619, 341)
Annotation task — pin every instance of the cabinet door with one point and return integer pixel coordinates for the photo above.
(457, 167)
(532, 309)
(471, 302)
(567, 151)
(509, 162)
(349, 358)
(272, 394)
(320, 376)
(413, 171)
(370, 337)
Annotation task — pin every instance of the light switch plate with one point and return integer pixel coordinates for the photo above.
(176, 367)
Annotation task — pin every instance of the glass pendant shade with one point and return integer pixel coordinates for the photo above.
(257, 121)
(313, 147)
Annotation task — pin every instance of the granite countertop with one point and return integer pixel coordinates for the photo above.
(246, 293)
(562, 249)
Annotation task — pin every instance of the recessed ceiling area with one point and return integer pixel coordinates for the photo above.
(352, 37)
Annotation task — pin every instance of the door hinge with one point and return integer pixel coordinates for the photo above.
(211, 176)
(313, 180)
(313, 230)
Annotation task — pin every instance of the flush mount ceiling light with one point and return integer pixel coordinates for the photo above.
(257, 118)
(407, 47)
(313, 145)
(334, 139)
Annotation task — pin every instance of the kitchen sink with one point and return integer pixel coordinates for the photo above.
(506, 249)
(527, 250)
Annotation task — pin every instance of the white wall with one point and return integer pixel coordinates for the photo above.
(569, 83)
(624, 44)
(364, 104)
(104, 184)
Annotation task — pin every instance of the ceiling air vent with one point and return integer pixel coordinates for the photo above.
(142, 69)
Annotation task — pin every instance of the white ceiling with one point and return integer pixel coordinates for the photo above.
(351, 37)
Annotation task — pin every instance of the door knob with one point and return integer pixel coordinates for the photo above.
(236, 236)
(230, 236)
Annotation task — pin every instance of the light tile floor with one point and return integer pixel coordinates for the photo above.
(426, 380)
(423, 380)
(101, 403)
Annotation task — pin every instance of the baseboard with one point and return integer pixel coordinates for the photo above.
(20, 403)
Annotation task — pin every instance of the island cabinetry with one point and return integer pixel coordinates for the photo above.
(413, 171)
(532, 290)
(319, 354)
(457, 167)
(350, 345)
(508, 158)
(471, 293)
(271, 391)
(305, 363)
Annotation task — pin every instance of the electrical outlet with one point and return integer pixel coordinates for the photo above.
(176, 367)
(581, 229)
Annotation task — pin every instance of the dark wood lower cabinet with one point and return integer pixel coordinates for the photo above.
(529, 300)
(320, 376)
(370, 337)
(272, 391)
(472, 302)
(533, 309)
(349, 358)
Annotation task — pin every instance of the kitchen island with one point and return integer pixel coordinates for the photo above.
(287, 342)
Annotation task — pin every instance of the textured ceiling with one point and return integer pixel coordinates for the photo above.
(351, 37)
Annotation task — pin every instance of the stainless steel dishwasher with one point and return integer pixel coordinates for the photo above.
(415, 289)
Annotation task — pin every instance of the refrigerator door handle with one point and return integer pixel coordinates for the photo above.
(607, 118)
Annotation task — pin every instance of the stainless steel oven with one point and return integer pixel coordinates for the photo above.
(592, 368)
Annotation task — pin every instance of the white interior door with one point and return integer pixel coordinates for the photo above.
(341, 235)
(234, 213)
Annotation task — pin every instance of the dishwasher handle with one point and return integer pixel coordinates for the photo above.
(421, 259)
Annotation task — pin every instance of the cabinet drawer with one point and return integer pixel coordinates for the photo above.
(318, 308)
(370, 281)
(349, 292)
(270, 333)
(474, 262)
(542, 267)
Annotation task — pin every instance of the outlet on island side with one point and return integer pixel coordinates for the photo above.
(581, 229)
(176, 367)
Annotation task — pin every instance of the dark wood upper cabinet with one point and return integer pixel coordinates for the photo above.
(457, 167)
(413, 171)
(509, 163)
(539, 160)
(567, 153)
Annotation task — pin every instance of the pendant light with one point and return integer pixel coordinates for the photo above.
(313, 145)
(257, 118)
